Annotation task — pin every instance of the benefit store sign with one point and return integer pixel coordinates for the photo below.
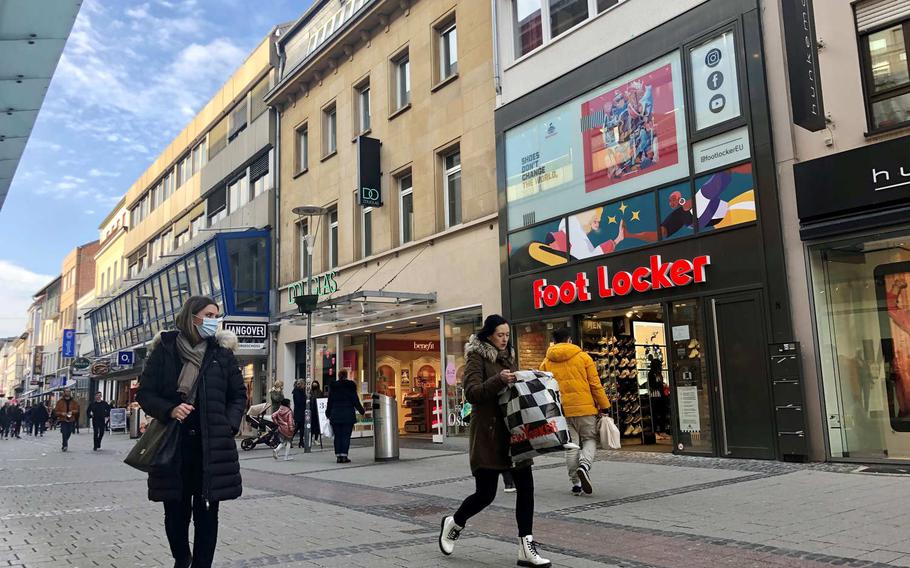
(655, 275)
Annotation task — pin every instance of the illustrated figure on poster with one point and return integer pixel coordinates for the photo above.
(899, 314)
(579, 228)
(628, 129)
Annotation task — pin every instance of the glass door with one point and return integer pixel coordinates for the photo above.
(690, 384)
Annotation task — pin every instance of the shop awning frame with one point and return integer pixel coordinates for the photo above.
(368, 305)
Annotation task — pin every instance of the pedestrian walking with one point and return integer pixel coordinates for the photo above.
(343, 401)
(299, 395)
(40, 415)
(489, 369)
(27, 418)
(284, 419)
(67, 413)
(315, 428)
(15, 419)
(99, 412)
(4, 420)
(192, 376)
(582, 397)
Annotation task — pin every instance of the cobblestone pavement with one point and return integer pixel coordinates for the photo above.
(87, 509)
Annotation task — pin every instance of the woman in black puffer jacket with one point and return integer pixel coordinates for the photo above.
(192, 376)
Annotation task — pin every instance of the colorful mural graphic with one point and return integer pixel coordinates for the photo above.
(630, 130)
(725, 199)
(615, 227)
(677, 211)
(541, 246)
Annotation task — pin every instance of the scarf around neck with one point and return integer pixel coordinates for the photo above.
(192, 356)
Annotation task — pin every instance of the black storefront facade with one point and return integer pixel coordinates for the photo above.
(854, 210)
(639, 207)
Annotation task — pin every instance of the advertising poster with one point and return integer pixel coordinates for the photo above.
(544, 245)
(892, 285)
(687, 400)
(623, 137)
(715, 83)
(618, 226)
(677, 211)
(725, 199)
(630, 130)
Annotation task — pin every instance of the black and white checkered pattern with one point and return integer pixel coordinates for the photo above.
(534, 415)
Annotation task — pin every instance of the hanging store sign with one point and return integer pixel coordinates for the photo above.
(323, 285)
(101, 367)
(250, 335)
(656, 275)
(369, 174)
(802, 64)
(38, 362)
(69, 343)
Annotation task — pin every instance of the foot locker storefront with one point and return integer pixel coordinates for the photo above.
(641, 213)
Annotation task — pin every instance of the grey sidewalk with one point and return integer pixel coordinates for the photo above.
(88, 509)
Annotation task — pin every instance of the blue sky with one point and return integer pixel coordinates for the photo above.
(132, 75)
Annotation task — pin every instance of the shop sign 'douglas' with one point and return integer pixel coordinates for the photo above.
(657, 275)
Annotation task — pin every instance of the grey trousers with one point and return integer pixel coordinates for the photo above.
(583, 430)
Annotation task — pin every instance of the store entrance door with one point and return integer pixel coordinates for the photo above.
(744, 392)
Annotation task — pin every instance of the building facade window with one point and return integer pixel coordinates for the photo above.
(452, 187)
(401, 66)
(333, 239)
(448, 50)
(303, 148)
(238, 119)
(329, 130)
(531, 29)
(887, 75)
(363, 108)
(406, 207)
(196, 225)
(366, 232)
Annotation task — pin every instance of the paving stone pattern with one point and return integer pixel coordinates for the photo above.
(87, 509)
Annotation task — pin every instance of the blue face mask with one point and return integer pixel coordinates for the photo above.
(209, 327)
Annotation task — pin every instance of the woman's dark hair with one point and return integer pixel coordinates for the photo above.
(286, 402)
(489, 328)
(184, 319)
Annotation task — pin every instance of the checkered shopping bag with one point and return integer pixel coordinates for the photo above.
(534, 416)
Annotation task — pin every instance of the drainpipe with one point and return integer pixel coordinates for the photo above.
(273, 352)
(497, 79)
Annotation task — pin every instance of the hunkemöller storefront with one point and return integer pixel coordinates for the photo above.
(640, 208)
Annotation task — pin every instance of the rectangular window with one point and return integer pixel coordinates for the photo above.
(528, 26)
(366, 232)
(448, 51)
(329, 131)
(333, 238)
(200, 156)
(604, 5)
(216, 205)
(257, 98)
(406, 207)
(887, 75)
(182, 239)
(452, 188)
(197, 225)
(402, 83)
(238, 194)
(218, 137)
(363, 108)
(238, 120)
(303, 148)
(566, 14)
(303, 231)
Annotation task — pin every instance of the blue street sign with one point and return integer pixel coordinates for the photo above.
(69, 342)
(125, 358)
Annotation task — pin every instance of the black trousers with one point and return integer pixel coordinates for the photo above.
(486, 482)
(98, 429)
(66, 428)
(343, 431)
(177, 514)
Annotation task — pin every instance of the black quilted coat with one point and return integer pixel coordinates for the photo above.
(221, 401)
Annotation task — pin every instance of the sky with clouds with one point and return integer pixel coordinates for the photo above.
(132, 75)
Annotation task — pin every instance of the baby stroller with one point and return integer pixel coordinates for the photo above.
(264, 430)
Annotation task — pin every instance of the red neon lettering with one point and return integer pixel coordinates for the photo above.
(567, 292)
(603, 282)
(679, 272)
(581, 284)
(638, 279)
(699, 263)
(538, 292)
(622, 283)
(659, 273)
(551, 296)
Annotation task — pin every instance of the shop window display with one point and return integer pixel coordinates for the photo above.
(862, 307)
(690, 376)
(458, 328)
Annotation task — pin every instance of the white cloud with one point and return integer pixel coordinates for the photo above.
(95, 172)
(17, 286)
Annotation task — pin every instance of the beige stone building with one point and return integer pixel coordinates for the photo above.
(401, 283)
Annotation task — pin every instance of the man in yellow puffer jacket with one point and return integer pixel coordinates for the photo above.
(582, 396)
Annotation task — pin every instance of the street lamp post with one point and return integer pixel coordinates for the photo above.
(306, 304)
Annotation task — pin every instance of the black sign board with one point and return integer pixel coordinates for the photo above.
(802, 64)
(866, 178)
(369, 174)
(250, 335)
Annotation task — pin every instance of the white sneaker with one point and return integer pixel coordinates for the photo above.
(528, 554)
(509, 489)
(275, 453)
(448, 534)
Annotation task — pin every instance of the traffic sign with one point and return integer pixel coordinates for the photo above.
(125, 358)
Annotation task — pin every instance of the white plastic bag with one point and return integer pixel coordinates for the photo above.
(608, 433)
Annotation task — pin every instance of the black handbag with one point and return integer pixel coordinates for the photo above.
(157, 449)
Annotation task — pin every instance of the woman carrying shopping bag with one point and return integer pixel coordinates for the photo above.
(489, 370)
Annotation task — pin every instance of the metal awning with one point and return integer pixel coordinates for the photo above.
(365, 306)
(32, 36)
